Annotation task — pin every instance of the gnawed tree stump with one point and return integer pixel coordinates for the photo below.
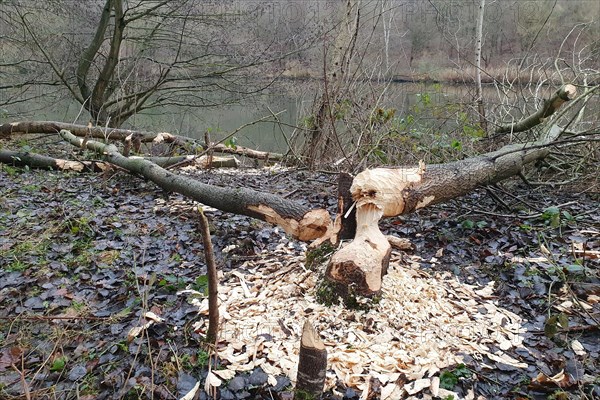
(358, 267)
(363, 262)
(312, 365)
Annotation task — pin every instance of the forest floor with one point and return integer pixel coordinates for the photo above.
(102, 283)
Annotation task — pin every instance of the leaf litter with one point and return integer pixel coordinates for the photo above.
(480, 293)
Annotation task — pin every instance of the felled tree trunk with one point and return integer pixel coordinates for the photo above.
(99, 132)
(295, 218)
(549, 107)
(386, 192)
(39, 161)
(32, 160)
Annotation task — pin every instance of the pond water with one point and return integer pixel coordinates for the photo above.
(290, 98)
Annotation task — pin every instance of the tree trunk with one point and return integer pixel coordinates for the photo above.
(98, 132)
(295, 218)
(387, 192)
(312, 365)
(478, 44)
(323, 142)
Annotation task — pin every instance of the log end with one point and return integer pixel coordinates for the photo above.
(314, 224)
(568, 92)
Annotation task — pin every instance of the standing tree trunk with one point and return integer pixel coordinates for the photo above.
(312, 365)
(323, 142)
(478, 45)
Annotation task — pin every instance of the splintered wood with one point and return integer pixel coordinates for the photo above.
(423, 323)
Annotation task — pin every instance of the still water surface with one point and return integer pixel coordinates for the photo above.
(292, 99)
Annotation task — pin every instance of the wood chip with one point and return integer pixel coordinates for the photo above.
(423, 324)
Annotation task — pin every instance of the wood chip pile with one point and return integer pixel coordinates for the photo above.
(424, 322)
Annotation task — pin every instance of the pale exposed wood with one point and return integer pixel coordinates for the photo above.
(364, 261)
(399, 243)
(312, 364)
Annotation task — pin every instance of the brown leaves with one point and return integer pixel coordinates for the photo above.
(10, 356)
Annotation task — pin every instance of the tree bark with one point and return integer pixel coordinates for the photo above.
(312, 365)
(296, 219)
(213, 281)
(550, 106)
(32, 160)
(478, 44)
(323, 142)
(99, 132)
(387, 192)
(39, 161)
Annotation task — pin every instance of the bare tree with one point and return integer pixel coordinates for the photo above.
(478, 44)
(140, 55)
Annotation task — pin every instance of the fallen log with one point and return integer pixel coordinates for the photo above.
(33, 160)
(98, 132)
(39, 161)
(296, 219)
(386, 192)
